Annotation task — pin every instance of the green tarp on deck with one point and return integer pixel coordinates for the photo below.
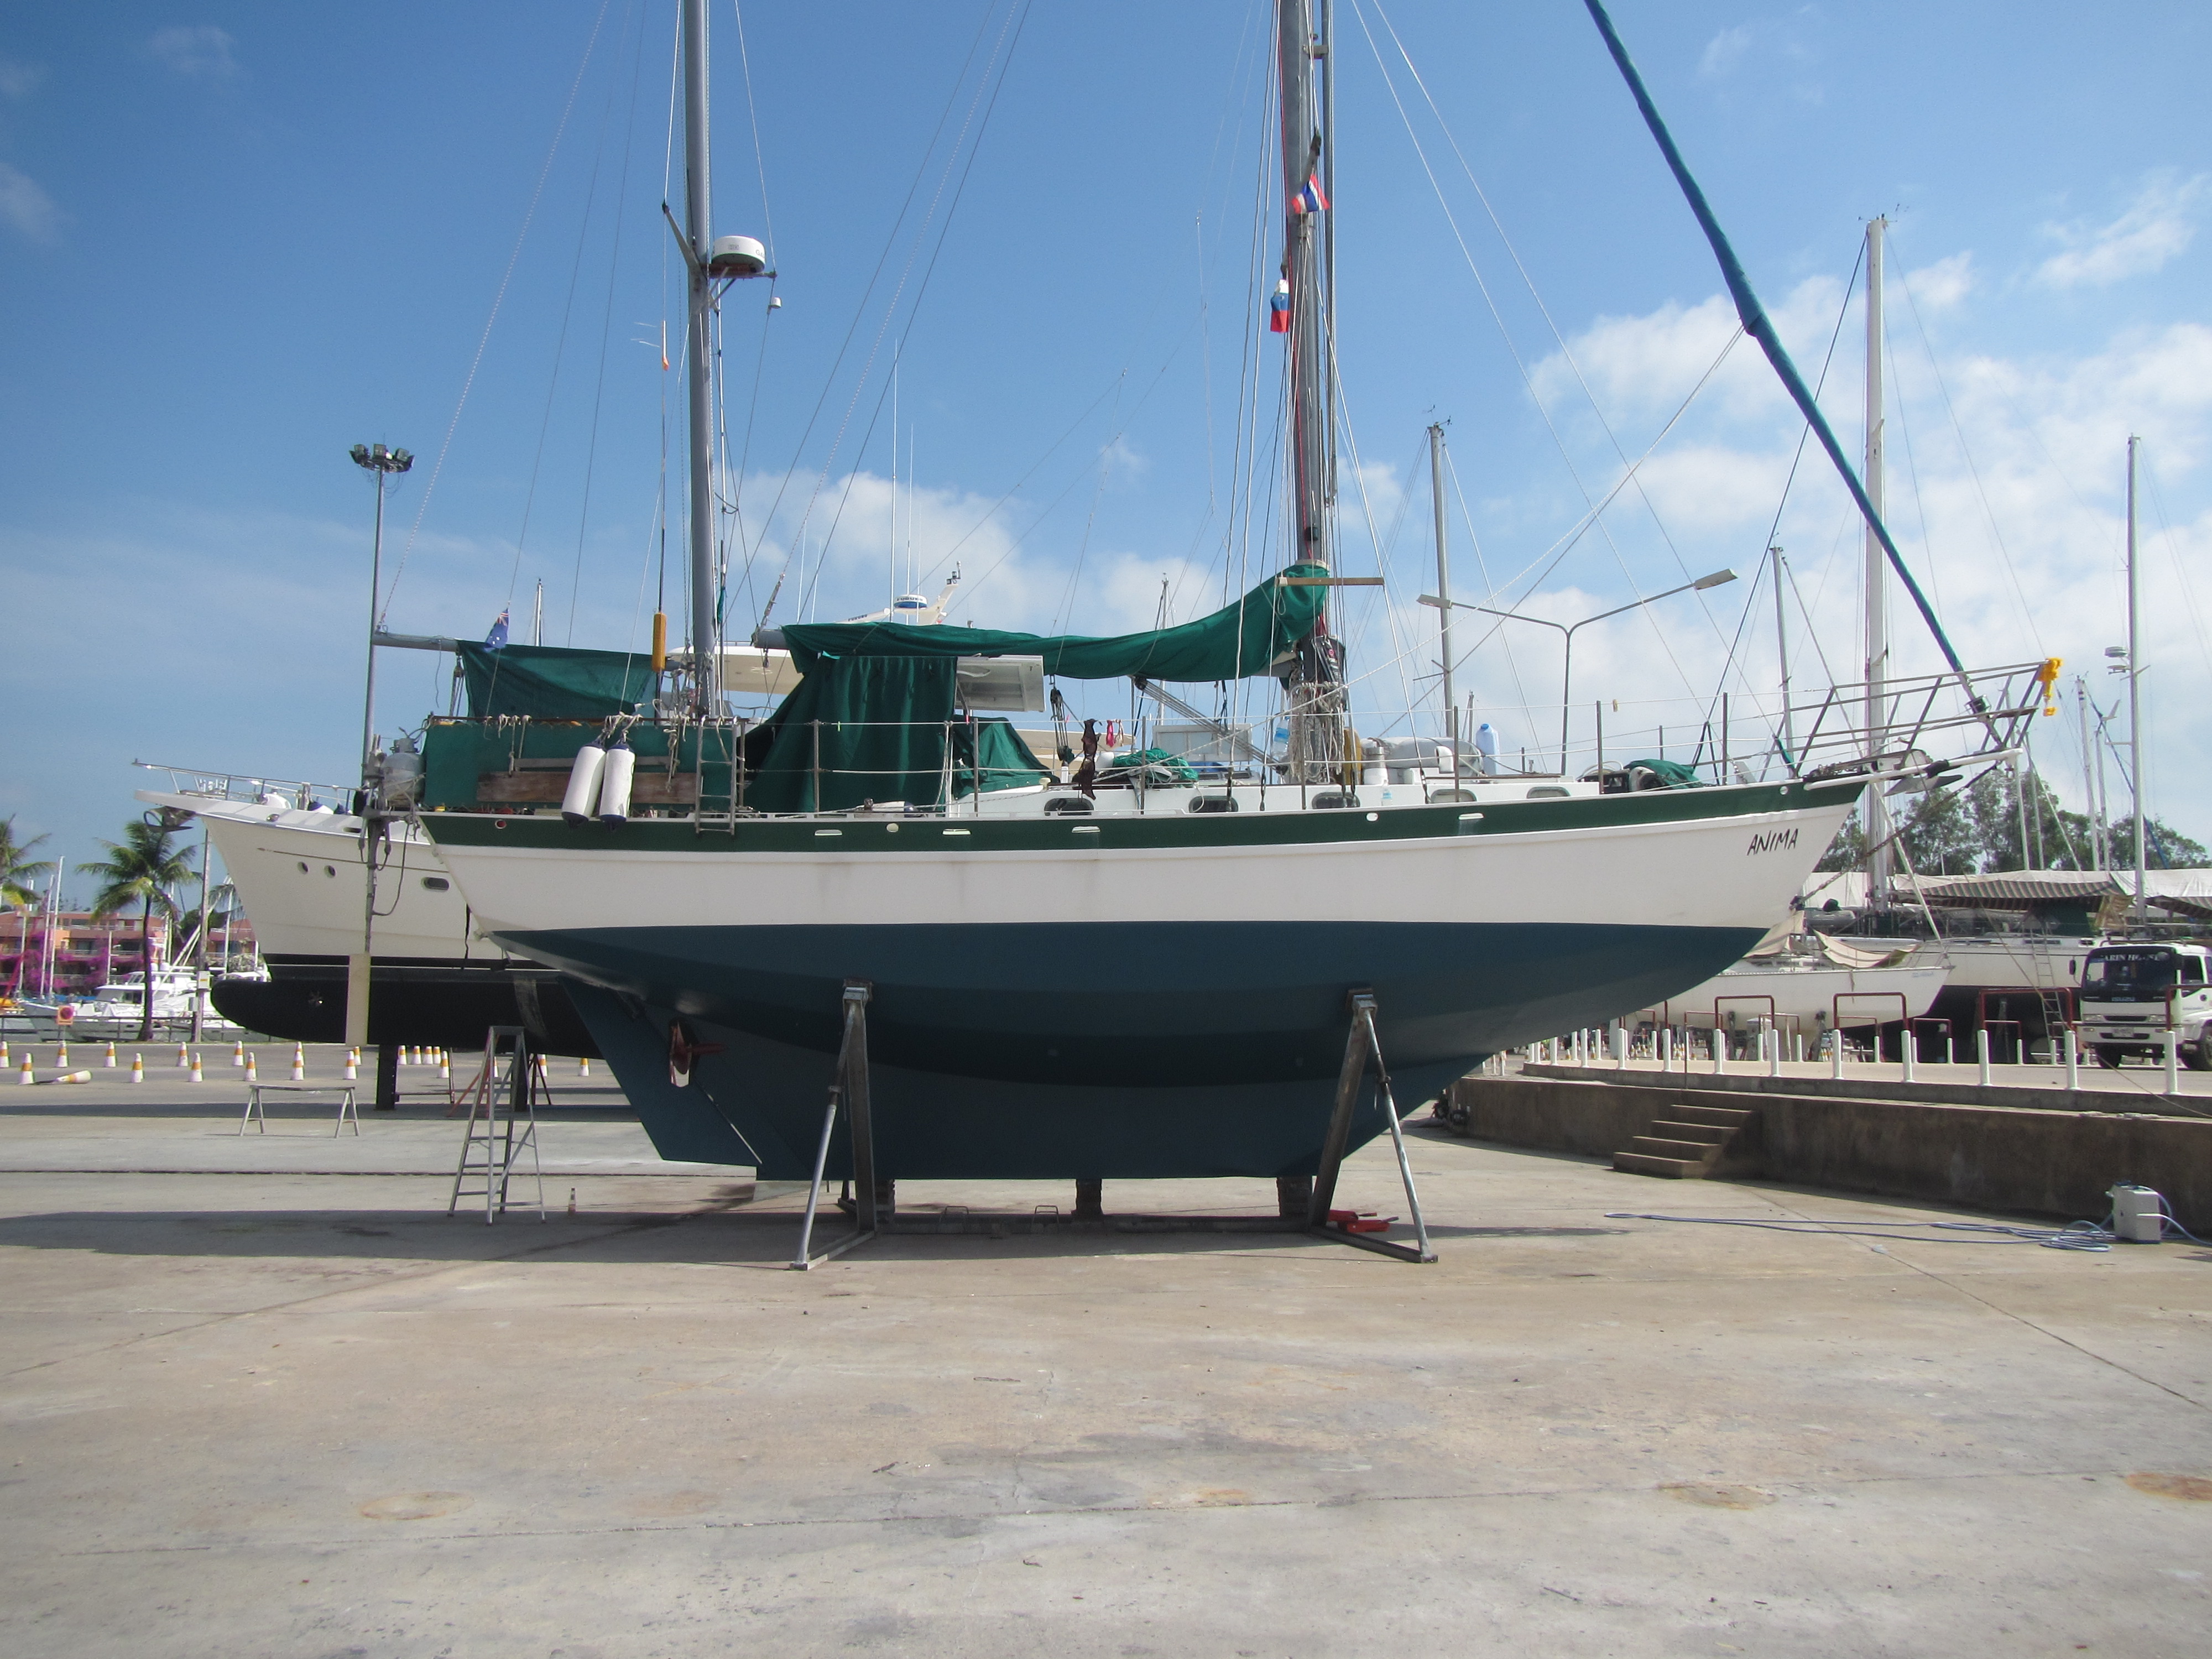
(554, 681)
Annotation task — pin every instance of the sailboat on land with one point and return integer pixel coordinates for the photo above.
(1122, 973)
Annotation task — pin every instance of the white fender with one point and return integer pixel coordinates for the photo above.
(614, 787)
(583, 797)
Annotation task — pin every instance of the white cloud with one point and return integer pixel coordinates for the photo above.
(1943, 284)
(1724, 51)
(199, 52)
(24, 205)
(20, 80)
(2156, 225)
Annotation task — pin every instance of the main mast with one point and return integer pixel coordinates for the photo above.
(698, 235)
(1316, 688)
(1877, 576)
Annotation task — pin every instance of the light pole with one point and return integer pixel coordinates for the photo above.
(384, 463)
(1568, 630)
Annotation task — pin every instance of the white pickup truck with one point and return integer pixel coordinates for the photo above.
(2131, 993)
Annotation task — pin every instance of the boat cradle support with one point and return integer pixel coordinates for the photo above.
(873, 1218)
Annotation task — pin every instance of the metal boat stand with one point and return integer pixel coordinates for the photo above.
(848, 1086)
(1303, 1209)
(1362, 1045)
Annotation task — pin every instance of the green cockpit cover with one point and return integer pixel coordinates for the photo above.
(1672, 774)
(554, 681)
(881, 729)
(1236, 641)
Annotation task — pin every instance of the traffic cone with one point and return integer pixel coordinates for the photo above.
(353, 1064)
(445, 1067)
(109, 1063)
(238, 1052)
(24, 1076)
(71, 1077)
(403, 1054)
(138, 1068)
(584, 1067)
(196, 1068)
(299, 1064)
(183, 1058)
(61, 1054)
(252, 1073)
(4, 1051)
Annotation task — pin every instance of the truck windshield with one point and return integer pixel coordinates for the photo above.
(2136, 976)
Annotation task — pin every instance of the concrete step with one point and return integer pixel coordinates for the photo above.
(1704, 1134)
(1723, 1117)
(1675, 1168)
(1661, 1146)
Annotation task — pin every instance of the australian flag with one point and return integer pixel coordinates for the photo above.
(1278, 308)
(1309, 200)
(496, 640)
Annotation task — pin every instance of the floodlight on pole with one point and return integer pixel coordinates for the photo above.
(1714, 579)
(385, 464)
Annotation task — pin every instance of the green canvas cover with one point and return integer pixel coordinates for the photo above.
(1236, 641)
(554, 681)
(1672, 773)
(874, 728)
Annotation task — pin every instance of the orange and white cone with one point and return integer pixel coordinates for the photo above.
(196, 1069)
(445, 1067)
(183, 1057)
(138, 1068)
(299, 1064)
(71, 1077)
(353, 1064)
(584, 1067)
(109, 1063)
(24, 1076)
(61, 1054)
(253, 1071)
(238, 1053)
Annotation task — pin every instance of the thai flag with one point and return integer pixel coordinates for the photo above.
(1309, 200)
(1278, 308)
(496, 640)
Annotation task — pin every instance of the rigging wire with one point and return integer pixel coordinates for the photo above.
(468, 382)
(1566, 354)
(861, 312)
(607, 320)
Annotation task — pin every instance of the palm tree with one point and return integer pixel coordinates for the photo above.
(140, 870)
(17, 872)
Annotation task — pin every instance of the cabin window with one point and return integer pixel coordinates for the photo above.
(303, 869)
(1547, 791)
(1063, 806)
(1212, 804)
(436, 884)
(1334, 800)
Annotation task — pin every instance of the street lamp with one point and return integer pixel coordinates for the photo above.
(384, 463)
(1719, 578)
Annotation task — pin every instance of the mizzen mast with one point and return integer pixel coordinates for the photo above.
(698, 235)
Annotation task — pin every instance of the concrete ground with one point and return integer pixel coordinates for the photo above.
(284, 1411)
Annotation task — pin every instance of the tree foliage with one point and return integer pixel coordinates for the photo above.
(19, 872)
(1976, 830)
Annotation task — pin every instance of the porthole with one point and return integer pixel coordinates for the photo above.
(303, 869)
(330, 869)
(436, 884)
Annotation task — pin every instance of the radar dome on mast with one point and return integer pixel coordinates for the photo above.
(737, 255)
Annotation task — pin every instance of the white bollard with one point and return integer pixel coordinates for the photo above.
(1909, 1047)
(1666, 1048)
(1835, 1052)
(2172, 1062)
(1773, 1044)
(1982, 1053)
(1720, 1051)
(2072, 1059)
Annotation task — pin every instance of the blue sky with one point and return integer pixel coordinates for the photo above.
(236, 238)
